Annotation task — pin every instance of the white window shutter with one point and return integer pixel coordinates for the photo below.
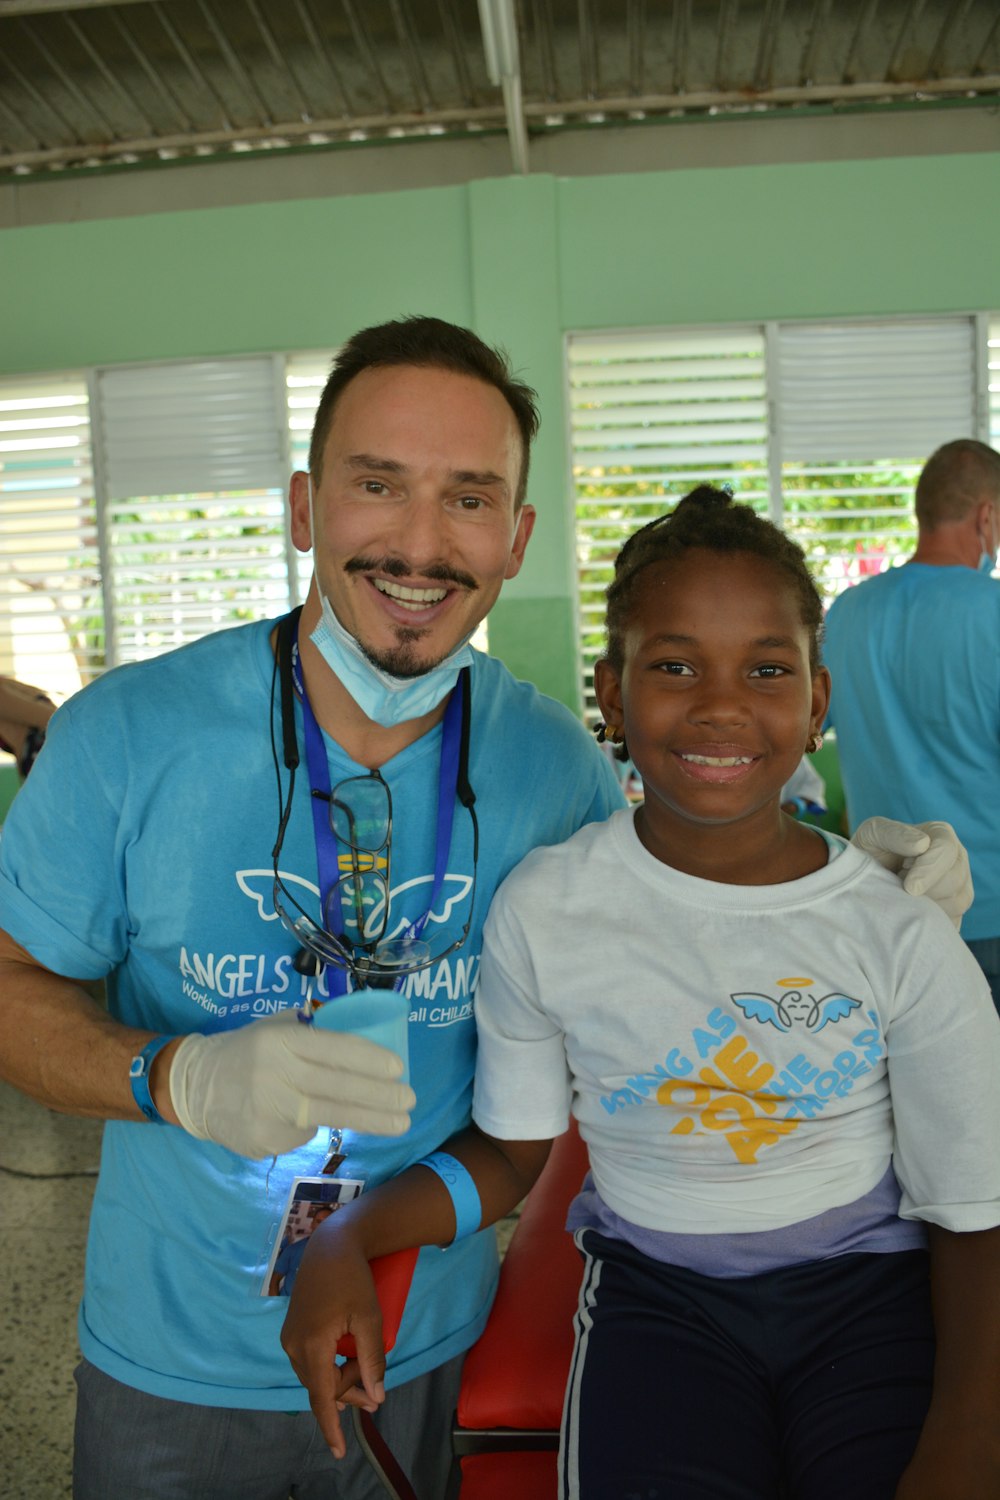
(305, 376)
(187, 428)
(194, 462)
(860, 406)
(879, 390)
(651, 416)
(51, 611)
(994, 382)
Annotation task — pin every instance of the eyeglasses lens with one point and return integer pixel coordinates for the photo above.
(361, 813)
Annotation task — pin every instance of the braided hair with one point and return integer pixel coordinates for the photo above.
(710, 519)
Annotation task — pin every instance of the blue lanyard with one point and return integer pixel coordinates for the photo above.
(327, 845)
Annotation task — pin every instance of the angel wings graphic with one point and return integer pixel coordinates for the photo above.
(795, 1008)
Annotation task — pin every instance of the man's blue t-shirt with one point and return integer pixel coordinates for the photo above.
(140, 850)
(915, 659)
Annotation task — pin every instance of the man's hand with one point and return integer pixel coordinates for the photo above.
(266, 1088)
(928, 857)
(334, 1294)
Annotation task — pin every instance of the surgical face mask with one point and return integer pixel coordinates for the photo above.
(386, 699)
(987, 560)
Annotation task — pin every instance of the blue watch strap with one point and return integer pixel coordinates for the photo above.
(462, 1189)
(138, 1075)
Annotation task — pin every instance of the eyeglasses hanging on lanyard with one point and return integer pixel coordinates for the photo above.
(356, 815)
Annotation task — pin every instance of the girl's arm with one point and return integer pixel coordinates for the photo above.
(334, 1293)
(958, 1455)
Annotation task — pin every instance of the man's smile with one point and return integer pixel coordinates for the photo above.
(409, 598)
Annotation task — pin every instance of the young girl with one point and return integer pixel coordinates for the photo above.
(786, 1070)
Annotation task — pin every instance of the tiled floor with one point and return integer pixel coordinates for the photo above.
(43, 1229)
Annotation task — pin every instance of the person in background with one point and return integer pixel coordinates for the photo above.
(915, 659)
(24, 715)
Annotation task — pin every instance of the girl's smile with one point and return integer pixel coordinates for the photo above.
(720, 766)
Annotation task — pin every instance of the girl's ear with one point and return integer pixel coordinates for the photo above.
(608, 692)
(820, 699)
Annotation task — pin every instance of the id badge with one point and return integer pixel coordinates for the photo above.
(311, 1201)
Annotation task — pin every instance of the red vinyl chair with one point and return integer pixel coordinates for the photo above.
(506, 1433)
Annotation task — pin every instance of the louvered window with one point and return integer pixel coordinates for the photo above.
(824, 425)
(858, 408)
(305, 377)
(51, 610)
(144, 506)
(195, 463)
(652, 415)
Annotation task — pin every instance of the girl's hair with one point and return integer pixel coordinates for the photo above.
(708, 518)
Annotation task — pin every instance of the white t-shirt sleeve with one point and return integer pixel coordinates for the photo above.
(944, 1072)
(523, 1087)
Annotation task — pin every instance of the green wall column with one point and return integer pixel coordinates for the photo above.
(515, 296)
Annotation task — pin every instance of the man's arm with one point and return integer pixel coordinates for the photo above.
(58, 1046)
(958, 1454)
(260, 1089)
(334, 1293)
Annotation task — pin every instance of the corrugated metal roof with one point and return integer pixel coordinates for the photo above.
(149, 80)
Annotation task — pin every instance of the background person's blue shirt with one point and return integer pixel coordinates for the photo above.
(915, 659)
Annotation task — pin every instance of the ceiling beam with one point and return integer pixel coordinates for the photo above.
(39, 7)
(499, 26)
(734, 105)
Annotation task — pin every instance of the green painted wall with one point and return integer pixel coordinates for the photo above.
(522, 260)
(229, 280)
(793, 241)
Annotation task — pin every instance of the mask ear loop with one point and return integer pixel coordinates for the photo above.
(304, 961)
(287, 632)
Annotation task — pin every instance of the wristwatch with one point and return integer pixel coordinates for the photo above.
(138, 1073)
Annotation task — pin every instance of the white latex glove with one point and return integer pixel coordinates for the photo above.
(928, 857)
(267, 1087)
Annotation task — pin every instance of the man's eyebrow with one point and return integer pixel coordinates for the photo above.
(477, 476)
(374, 461)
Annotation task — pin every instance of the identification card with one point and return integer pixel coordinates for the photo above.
(311, 1201)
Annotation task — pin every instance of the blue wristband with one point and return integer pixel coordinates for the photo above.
(138, 1077)
(462, 1190)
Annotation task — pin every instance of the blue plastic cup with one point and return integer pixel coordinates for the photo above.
(380, 1015)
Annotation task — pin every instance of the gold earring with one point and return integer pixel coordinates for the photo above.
(608, 732)
(815, 742)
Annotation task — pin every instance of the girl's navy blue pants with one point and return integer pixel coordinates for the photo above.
(806, 1383)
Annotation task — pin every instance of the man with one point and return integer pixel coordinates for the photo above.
(149, 847)
(915, 660)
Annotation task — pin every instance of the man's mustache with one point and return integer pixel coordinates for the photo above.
(395, 567)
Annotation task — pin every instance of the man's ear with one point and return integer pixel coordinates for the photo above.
(524, 526)
(300, 520)
(608, 691)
